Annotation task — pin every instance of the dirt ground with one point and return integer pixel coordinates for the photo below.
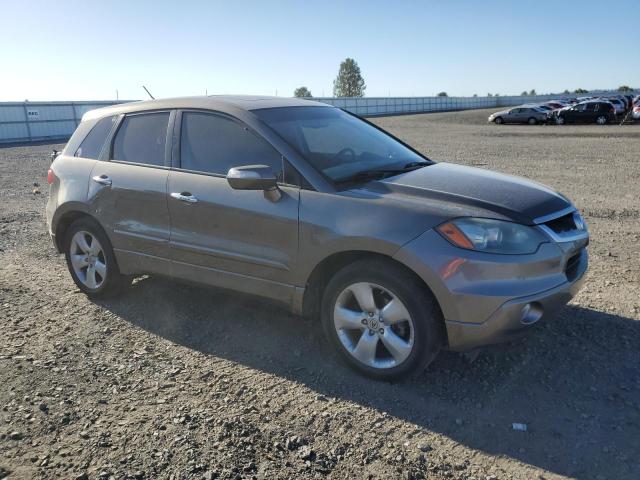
(175, 381)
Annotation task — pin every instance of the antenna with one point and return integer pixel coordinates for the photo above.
(148, 92)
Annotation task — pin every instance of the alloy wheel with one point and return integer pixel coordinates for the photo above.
(601, 120)
(373, 325)
(88, 259)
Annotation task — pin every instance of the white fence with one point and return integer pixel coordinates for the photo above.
(38, 121)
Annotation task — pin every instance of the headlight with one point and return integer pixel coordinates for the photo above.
(492, 236)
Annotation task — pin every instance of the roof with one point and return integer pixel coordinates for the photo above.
(224, 103)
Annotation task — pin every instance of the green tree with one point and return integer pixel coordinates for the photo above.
(533, 92)
(580, 90)
(524, 93)
(489, 94)
(302, 92)
(349, 82)
(475, 94)
(442, 94)
(625, 88)
(566, 92)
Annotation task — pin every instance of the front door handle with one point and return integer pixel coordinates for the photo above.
(184, 196)
(102, 180)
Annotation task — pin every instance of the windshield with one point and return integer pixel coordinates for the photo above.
(337, 144)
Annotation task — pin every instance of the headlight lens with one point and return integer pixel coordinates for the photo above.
(492, 236)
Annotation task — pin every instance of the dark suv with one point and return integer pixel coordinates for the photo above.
(600, 112)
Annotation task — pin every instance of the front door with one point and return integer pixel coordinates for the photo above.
(231, 238)
(128, 193)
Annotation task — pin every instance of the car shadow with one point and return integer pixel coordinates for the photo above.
(574, 382)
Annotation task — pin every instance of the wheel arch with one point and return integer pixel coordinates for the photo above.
(64, 221)
(329, 266)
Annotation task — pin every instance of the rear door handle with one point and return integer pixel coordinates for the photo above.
(184, 196)
(102, 180)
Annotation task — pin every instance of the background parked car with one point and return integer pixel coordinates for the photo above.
(522, 114)
(636, 111)
(618, 104)
(594, 111)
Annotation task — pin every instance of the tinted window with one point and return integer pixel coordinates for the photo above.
(591, 106)
(142, 138)
(214, 144)
(92, 144)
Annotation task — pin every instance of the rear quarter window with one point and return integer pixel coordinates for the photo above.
(92, 145)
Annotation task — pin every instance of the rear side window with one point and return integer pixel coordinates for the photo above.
(213, 144)
(92, 145)
(142, 138)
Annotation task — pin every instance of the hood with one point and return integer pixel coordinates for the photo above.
(501, 112)
(515, 198)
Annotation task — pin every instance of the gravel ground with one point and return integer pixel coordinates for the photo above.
(175, 381)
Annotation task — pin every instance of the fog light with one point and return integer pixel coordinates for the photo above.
(531, 313)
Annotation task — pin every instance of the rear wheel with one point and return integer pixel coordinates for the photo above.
(498, 121)
(601, 120)
(560, 120)
(532, 121)
(381, 319)
(91, 261)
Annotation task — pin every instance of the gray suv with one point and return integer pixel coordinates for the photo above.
(308, 205)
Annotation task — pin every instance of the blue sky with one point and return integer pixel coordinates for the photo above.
(81, 50)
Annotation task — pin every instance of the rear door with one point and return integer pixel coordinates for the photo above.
(128, 191)
(226, 237)
(586, 114)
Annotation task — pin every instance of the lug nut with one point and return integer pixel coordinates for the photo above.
(371, 314)
(381, 331)
(364, 321)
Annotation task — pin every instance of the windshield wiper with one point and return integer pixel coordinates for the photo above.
(377, 174)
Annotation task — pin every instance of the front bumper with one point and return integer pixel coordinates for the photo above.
(515, 317)
(482, 296)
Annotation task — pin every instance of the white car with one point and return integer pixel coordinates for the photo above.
(636, 111)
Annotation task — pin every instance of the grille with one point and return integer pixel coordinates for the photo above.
(562, 224)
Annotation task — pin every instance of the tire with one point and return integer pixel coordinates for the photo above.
(86, 257)
(498, 121)
(601, 120)
(415, 333)
(560, 120)
(532, 121)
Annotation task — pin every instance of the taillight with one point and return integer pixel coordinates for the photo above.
(50, 177)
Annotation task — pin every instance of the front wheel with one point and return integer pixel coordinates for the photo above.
(560, 120)
(91, 261)
(601, 120)
(532, 121)
(382, 319)
(498, 121)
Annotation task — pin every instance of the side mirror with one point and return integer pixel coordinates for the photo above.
(252, 177)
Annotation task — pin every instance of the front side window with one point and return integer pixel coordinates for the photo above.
(92, 145)
(337, 144)
(213, 143)
(142, 138)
